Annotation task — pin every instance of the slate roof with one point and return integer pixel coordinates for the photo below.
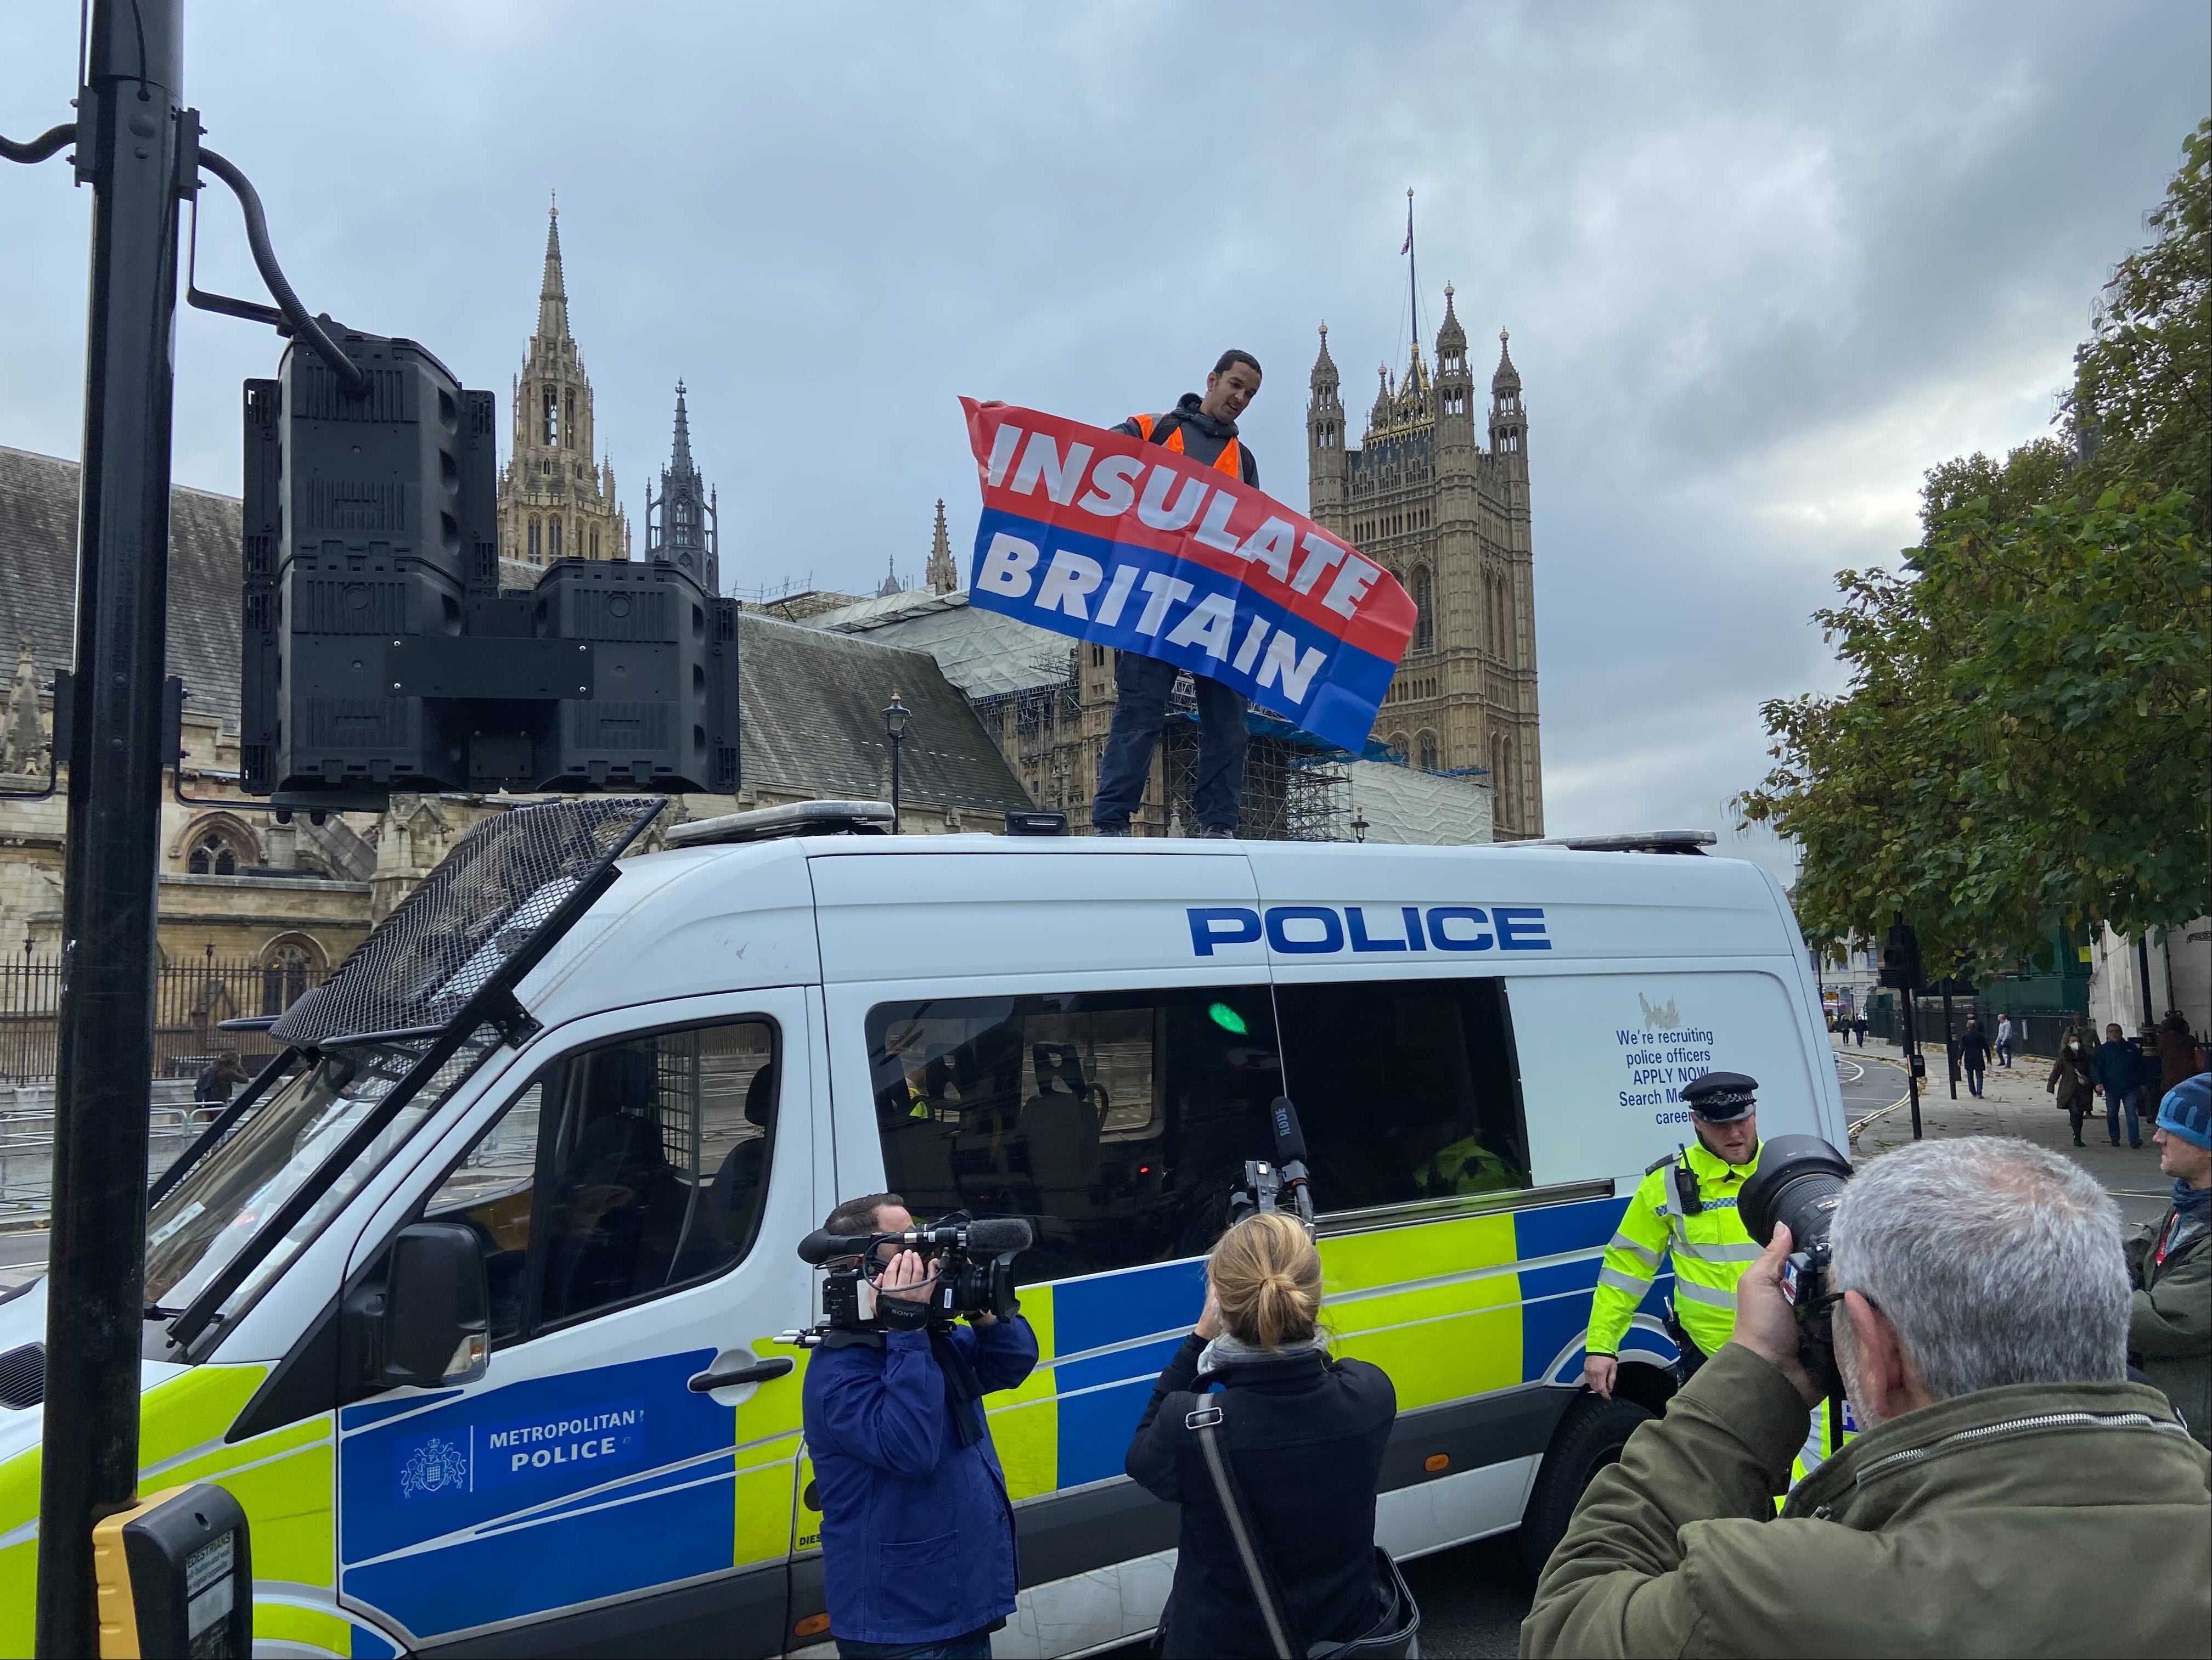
(38, 578)
(983, 653)
(812, 721)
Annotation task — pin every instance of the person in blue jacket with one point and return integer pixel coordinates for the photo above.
(2118, 1068)
(917, 1529)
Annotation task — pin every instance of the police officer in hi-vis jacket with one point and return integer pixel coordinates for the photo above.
(1685, 1205)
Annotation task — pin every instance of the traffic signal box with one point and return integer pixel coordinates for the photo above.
(380, 651)
(174, 1576)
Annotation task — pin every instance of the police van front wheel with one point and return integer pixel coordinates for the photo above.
(1589, 1437)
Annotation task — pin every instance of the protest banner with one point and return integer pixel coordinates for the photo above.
(1125, 543)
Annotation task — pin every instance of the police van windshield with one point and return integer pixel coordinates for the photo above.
(207, 1218)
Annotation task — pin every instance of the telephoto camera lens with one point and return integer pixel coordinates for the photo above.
(1800, 1179)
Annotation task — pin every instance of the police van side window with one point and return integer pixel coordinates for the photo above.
(624, 1171)
(1117, 1122)
(1405, 1090)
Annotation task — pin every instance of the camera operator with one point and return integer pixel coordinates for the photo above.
(917, 1530)
(1981, 1324)
(1300, 1444)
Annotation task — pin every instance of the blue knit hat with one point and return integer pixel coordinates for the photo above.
(2187, 1111)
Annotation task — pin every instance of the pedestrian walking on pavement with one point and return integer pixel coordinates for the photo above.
(1974, 1054)
(2004, 1040)
(2070, 1082)
(2116, 1067)
(2170, 1330)
(2176, 1053)
(1858, 1029)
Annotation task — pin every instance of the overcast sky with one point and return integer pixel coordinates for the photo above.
(1762, 266)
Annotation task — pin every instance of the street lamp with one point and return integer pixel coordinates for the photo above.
(1359, 825)
(895, 716)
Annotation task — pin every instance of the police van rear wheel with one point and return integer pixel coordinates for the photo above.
(1589, 1437)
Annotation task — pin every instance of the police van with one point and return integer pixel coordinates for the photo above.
(474, 1299)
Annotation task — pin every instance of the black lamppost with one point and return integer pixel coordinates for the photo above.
(1359, 825)
(895, 716)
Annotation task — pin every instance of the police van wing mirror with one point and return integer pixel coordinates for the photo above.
(432, 1319)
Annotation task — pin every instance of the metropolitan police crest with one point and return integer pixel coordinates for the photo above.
(434, 1466)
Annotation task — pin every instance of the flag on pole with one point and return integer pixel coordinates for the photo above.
(1408, 248)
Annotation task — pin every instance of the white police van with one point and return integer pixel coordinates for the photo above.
(473, 1299)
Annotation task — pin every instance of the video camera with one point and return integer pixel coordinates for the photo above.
(972, 1264)
(1282, 1184)
(1800, 1181)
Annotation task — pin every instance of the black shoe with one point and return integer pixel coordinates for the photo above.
(2137, 1146)
(2079, 1142)
(2116, 1144)
(1110, 829)
(1213, 834)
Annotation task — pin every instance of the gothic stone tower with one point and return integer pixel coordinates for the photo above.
(1449, 520)
(553, 503)
(941, 574)
(686, 530)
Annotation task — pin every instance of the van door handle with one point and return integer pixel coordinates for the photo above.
(759, 1371)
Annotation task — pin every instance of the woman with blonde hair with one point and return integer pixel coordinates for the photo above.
(1254, 1410)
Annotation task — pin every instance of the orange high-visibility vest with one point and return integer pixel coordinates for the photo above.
(1230, 460)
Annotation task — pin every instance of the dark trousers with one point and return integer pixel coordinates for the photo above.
(1139, 711)
(1974, 1076)
(2115, 1100)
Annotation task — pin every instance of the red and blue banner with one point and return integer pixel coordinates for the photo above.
(1125, 543)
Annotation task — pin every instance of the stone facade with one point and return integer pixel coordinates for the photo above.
(553, 503)
(1449, 520)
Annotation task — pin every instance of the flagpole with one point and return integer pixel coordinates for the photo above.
(1412, 282)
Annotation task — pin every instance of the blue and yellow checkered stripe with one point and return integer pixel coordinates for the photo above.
(1449, 1310)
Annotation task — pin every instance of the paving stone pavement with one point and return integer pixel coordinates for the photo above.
(2013, 1101)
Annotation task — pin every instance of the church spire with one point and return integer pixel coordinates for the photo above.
(681, 455)
(553, 292)
(943, 575)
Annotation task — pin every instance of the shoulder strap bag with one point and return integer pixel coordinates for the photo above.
(1391, 1637)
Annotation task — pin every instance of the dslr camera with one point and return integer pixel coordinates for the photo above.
(1800, 1180)
(1281, 1185)
(973, 1263)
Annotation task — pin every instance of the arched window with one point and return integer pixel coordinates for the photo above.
(1428, 752)
(1425, 631)
(595, 541)
(217, 849)
(568, 421)
(287, 966)
(553, 537)
(550, 431)
(1400, 746)
(533, 542)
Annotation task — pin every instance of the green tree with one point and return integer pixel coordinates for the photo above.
(2027, 733)
(2141, 402)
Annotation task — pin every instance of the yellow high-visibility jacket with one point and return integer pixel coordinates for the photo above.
(1710, 1251)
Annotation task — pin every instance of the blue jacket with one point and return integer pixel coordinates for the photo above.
(917, 1530)
(2119, 1066)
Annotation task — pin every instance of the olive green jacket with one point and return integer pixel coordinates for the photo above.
(1989, 1525)
(2170, 1330)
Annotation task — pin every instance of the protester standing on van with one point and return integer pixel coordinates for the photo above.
(1302, 1442)
(1685, 1205)
(1203, 429)
(2118, 1068)
(2070, 1082)
(2170, 1328)
(917, 1530)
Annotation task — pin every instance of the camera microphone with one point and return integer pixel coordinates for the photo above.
(996, 1236)
(1290, 1137)
(822, 1246)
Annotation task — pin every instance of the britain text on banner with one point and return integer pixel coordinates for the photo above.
(1108, 539)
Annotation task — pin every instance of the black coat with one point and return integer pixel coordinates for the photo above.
(1974, 1050)
(1306, 1436)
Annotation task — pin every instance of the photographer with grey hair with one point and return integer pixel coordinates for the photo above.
(1981, 1322)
